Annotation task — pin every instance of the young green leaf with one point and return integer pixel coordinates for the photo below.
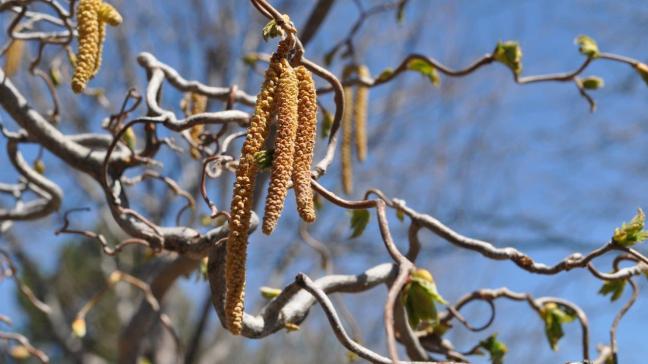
(419, 297)
(631, 233)
(130, 138)
(495, 348)
(614, 287)
(263, 158)
(554, 316)
(400, 215)
(587, 46)
(642, 68)
(269, 293)
(509, 53)
(359, 221)
(425, 69)
(592, 83)
(272, 30)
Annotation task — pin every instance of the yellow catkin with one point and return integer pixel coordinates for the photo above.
(13, 57)
(240, 212)
(347, 132)
(282, 160)
(192, 104)
(107, 15)
(360, 115)
(88, 28)
(92, 16)
(305, 144)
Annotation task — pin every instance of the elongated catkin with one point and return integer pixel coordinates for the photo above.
(240, 211)
(192, 104)
(107, 14)
(282, 160)
(92, 17)
(360, 114)
(347, 133)
(88, 28)
(305, 144)
(13, 56)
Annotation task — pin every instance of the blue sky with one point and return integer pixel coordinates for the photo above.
(480, 153)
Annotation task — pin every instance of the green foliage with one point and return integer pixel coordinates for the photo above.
(425, 69)
(509, 53)
(130, 138)
(554, 316)
(400, 215)
(631, 233)
(263, 158)
(615, 288)
(359, 221)
(495, 348)
(419, 297)
(272, 30)
(269, 293)
(592, 83)
(587, 46)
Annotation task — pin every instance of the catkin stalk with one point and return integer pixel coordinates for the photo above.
(360, 115)
(240, 211)
(305, 144)
(282, 162)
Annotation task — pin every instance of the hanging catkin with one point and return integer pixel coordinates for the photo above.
(360, 114)
(106, 14)
(194, 103)
(88, 28)
(13, 57)
(240, 211)
(347, 133)
(91, 18)
(282, 160)
(305, 144)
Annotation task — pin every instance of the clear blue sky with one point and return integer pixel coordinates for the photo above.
(518, 156)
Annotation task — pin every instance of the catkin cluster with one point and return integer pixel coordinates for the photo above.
(92, 17)
(355, 117)
(289, 95)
